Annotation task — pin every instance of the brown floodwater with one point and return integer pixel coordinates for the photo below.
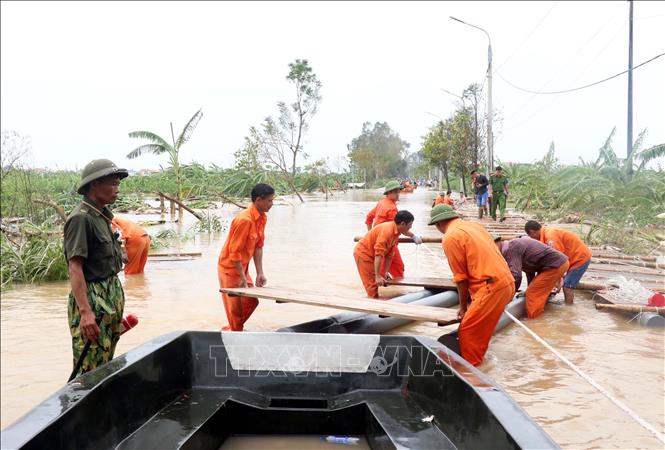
(310, 246)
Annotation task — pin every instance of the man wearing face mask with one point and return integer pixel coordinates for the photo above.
(94, 257)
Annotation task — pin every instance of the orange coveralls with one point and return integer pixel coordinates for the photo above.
(444, 199)
(385, 211)
(567, 243)
(137, 244)
(246, 234)
(379, 241)
(473, 256)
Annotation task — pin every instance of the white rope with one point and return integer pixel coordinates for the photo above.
(646, 425)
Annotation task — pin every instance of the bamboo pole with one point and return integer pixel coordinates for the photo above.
(182, 205)
(48, 202)
(626, 307)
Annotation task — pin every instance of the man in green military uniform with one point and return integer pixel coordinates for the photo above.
(94, 257)
(498, 192)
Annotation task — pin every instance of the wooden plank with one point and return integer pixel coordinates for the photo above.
(437, 240)
(175, 254)
(630, 308)
(384, 308)
(426, 239)
(624, 263)
(600, 254)
(426, 282)
(625, 269)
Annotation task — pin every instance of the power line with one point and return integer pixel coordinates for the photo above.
(580, 87)
(528, 36)
(556, 74)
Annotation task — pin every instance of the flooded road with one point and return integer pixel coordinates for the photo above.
(310, 246)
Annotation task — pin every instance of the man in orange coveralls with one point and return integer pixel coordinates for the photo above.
(244, 242)
(385, 211)
(445, 198)
(482, 278)
(136, 242)
(544, 266)
(377, 248)
(568, 243)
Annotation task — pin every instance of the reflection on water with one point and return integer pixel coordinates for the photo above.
(310, 246)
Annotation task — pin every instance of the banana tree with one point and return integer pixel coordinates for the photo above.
(159, 145)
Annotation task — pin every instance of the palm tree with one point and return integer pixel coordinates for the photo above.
(159, 145)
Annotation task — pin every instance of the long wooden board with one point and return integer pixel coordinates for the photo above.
(601, 254)
(426, 239)
(426, 282)
(448, 284)
(384, 308)
(437, 240)
(176, 254)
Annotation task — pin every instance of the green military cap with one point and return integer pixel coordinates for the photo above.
(442, 212)
(99, 168)
(391, 186)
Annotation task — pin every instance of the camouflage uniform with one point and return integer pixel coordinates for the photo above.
(88, 234)
(499, 184)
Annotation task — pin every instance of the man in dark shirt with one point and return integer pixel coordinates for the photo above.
(480, 183)
(94, 257)
(543, 265)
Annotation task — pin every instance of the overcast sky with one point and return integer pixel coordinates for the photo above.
(77, 77)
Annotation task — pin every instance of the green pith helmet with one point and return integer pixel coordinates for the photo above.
(391, 186)
(442, 212)
(99, 168)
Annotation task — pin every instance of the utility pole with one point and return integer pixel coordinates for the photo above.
(490, 137)
(629, 131)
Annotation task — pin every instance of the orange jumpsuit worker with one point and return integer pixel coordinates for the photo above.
(243, 243)
(445, 198)
(481, 275)
(137, 244)
(385, 211)
(377, 248)
(544, 267)
(568, 243)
